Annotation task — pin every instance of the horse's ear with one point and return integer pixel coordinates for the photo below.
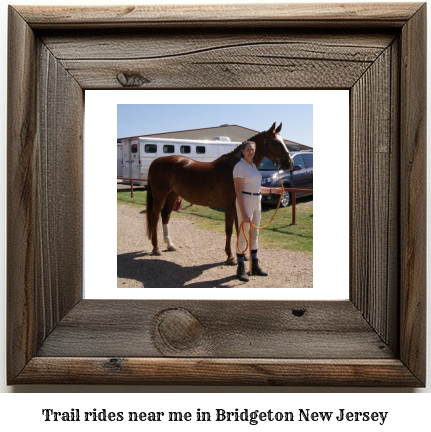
(278, 129)
(272, 128)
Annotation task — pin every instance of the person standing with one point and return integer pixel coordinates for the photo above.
(248, 190)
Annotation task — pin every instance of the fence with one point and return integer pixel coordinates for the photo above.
(131, 183)
(294, 192)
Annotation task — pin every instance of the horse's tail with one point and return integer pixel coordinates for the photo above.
(149, 209)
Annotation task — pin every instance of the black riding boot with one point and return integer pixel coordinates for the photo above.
(255, 268)
(241, 273)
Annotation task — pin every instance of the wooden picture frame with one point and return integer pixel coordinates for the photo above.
(376, 338)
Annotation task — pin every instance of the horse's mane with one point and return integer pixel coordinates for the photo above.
(235, 152)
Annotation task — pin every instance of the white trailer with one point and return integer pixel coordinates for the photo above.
(139, 152)
(119, 159)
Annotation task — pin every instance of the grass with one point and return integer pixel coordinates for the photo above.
(280, 234)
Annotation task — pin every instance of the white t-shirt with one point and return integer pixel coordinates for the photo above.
(250, 175)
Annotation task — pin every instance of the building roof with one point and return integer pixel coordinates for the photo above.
(292, 144)
(191, 130)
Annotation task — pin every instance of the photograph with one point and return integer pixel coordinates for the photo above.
(196, 190)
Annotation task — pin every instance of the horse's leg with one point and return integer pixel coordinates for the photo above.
(230, 216)
(155, 212)
(166, 215)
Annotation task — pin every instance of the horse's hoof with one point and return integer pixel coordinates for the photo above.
(232, 262)
(156, 252)
(172, 248)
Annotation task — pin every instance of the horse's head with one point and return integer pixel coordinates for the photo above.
(275, 148)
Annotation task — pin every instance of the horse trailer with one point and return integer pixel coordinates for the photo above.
(137, 153)
(119, 159)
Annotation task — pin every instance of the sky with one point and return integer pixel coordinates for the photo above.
(137, 119)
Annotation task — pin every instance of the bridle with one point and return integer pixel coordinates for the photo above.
(266, 149)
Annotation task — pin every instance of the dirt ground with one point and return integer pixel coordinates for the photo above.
(199, 261)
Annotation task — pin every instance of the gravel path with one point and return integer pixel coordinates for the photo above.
(200, 260)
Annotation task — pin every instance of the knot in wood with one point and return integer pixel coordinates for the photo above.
(298, 312)
(131, 79)
(115, 363)
(178, 329)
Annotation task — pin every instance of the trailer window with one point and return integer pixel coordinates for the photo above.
(185, 149)
(150, 148)
(200, 149)
(134, 148)
(168, 149)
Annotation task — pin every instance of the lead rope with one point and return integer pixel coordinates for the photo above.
(241, 228)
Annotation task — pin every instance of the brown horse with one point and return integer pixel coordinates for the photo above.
(205, 183)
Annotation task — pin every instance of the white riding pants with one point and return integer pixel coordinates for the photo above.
(252, 208)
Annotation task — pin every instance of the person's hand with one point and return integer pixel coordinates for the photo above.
(277, 190)
(246, 219)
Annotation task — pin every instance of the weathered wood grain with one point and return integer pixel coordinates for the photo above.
(193, 59)
(21, 197)
(217, 371)
(261, 66)
(200, 71)
(374, 195)
(375, 338)
(227, 329)
(44, 193)
(160, 44)
(254, 15)
(413, 198)
(59, 188)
